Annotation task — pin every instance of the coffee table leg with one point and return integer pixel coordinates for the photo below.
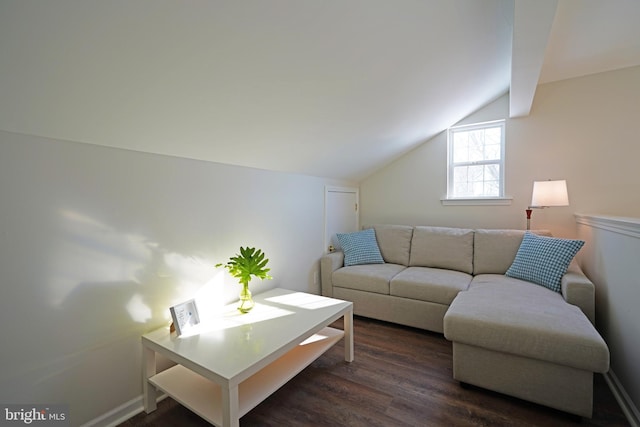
(348, 336)
(230, 407)
(148, 390)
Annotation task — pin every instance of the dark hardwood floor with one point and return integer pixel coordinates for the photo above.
(400, 377)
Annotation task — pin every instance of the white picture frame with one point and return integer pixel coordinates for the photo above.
(185, 316)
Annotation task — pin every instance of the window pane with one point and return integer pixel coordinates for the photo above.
(492, 152)
(492, 172)
(461, 147)
(476, 173)
(460, 180)
(492, 135)
(478, 189)
(476, 146)
(492, 188)
(462, 189)
(476, 136)
(470, 151)
(460, 173)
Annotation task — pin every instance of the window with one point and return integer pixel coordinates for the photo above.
(476, 161)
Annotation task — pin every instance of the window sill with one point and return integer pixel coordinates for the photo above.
(483, 201)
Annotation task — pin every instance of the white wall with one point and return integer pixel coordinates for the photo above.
(583, 130)
(610, 258)
(96, 243)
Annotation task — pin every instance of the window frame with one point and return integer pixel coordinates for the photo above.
(500, 198)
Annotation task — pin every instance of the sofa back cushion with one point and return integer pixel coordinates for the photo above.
(495, 250)
(394, 242)
(442, 247)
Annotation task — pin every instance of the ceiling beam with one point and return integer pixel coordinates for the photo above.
(532, 22)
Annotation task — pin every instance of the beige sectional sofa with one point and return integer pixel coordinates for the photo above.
(509, 335)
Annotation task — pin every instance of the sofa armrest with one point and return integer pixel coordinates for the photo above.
(578, 290)
(328, 264)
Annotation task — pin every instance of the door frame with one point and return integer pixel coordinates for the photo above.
(339, 189)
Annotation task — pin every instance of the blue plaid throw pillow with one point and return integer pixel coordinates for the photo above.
(360, 247)
(543, 260)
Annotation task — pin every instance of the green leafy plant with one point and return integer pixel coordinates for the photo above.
(249, 263)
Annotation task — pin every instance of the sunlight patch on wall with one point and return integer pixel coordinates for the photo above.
(92, 253)
(194, 277)
(138, 310)
(129, 271)
(210, 297)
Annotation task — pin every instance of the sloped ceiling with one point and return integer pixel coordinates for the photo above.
(329, 88)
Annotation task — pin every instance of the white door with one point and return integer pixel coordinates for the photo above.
(341, 214)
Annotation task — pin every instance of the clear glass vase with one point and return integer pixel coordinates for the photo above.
(246, 302)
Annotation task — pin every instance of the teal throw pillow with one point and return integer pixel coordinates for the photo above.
(360, 247)
(544, 260)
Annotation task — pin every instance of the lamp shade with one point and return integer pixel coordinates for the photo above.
(549, 193)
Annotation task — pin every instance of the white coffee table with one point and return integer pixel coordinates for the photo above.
(231, 362)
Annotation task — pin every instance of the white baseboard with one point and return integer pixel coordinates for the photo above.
(120, 414)
(626, 404)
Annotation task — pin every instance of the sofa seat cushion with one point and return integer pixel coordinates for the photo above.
(429, 284)
(517, 317)
(500, 279)
(371, 277)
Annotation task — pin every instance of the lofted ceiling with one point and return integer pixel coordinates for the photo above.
(330, 88)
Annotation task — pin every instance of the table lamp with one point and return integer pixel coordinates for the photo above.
(546, 194)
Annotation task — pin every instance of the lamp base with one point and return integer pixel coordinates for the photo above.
(529, 211)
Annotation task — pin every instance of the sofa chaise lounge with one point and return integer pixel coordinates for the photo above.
(509, 335)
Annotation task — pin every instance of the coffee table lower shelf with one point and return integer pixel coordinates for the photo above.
(203, 396)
